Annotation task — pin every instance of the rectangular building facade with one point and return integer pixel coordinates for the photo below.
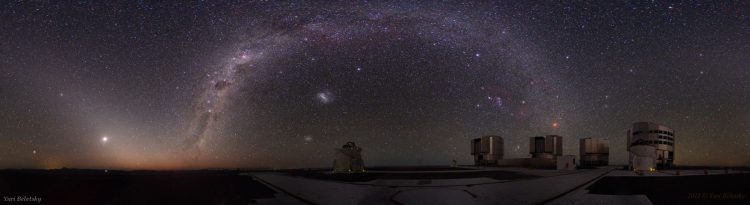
(487, 150)
(545, 146)
(594, 151)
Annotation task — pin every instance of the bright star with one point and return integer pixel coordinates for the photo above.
(105, 139)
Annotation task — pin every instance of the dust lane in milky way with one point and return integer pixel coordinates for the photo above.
(281, 84)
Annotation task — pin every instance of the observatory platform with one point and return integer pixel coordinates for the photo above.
(500, 185)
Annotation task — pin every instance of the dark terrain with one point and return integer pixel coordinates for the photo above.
(408, 173)
(697, 189)
(132, 187)
(417, 168)
(75, 186)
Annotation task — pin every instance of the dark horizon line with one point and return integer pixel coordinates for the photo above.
(311, 168)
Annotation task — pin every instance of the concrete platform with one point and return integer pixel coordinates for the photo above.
(605, 185)
(549, 185)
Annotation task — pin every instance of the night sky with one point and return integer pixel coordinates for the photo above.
(154, 85)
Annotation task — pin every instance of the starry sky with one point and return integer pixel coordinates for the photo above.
(232, 84)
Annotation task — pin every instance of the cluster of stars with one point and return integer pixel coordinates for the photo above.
(199, 87)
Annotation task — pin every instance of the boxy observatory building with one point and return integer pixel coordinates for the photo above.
(348, 159)
(546, 153)
(487, 150)
(594, 151)
(549, 146)
(651, 146)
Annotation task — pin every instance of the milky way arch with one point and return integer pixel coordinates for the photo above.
(263, 41)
